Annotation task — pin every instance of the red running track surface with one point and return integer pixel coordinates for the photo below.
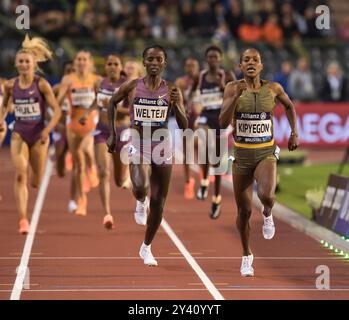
(76, 258)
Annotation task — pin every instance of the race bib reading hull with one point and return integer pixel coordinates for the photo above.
(150, 112)
(253, 128)
(27, 111)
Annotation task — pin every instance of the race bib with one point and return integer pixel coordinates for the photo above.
(253, 128)
(100, 98)
(83, 97)
(28, 111)
(211, 99)
(150, 114)
(150, 111)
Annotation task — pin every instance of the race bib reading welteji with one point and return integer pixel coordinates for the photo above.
(27, 110)
(150, 111)
(253, 128)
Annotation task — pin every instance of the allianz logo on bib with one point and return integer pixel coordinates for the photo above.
(253, 116)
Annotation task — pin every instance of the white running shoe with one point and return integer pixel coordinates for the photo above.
(147, 256)
(72, 206)
(246, 266)
(141, 213)
(268, 227)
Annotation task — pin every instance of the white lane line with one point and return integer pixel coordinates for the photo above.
(178, 290)
(22, 270)
(201, 274)
(175, 258)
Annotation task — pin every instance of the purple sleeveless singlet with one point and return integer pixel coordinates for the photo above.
(150, 109)
(105, 91)
(29, 106)
(211, 97)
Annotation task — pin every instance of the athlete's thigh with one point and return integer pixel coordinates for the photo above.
(243, 190)
(139, 174)
(3, 134)
(87, 143)
(38, 156)
(74, 143)
(265, 175)
(102, 156)
(160, 181)
(120, 168)
(19, 153)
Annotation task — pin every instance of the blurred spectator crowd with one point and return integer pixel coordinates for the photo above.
(278, 28)
(272, 21)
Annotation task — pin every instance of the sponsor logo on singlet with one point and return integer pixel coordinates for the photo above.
(27, 109)
(211, 99)
(82, 97)
(253, 128)
(150, 111)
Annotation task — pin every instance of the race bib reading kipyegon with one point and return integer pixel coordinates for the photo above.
(253, 127)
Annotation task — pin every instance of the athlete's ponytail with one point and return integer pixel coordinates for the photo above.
(37, 47)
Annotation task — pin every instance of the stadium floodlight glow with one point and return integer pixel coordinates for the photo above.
(336, 250)
(341, 253)
(322, 241)
(326, 244)
(331, 247)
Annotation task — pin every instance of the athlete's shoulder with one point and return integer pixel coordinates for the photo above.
(233, 83)
(68, 78)
(181, 81)
(274, 86)
(9, 84)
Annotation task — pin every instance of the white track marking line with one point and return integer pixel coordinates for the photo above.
(201, 274)
(178, 290)
(23, 266)
(174, 258)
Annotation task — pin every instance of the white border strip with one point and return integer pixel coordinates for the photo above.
(22, 270)
(201, 274)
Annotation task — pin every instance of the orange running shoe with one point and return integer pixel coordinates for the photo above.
(82, 206)
(189, 189)
(93, 176)
(24, 226)
(69, 161)
(108, 222)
